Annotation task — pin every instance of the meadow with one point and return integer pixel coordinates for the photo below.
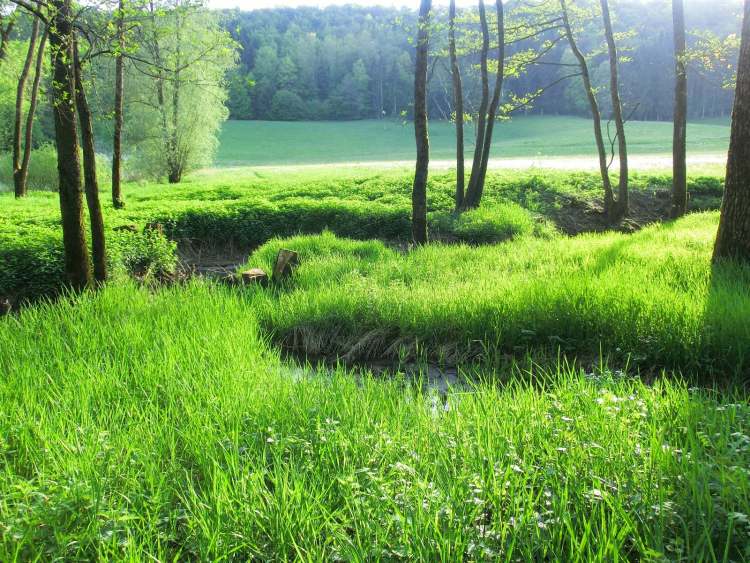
(265, 143)
(601, 412)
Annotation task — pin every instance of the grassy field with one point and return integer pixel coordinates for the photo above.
(603, 414)
(257, 143)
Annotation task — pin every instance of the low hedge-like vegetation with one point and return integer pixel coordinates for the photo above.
(248, 209)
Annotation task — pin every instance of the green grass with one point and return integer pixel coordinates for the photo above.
(649, 299)
(138, 425)
(247, 208)
(147, 422)
(257, 143)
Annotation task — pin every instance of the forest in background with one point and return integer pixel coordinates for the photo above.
(350, 62)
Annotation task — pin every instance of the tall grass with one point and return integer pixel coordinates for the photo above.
(650, 299)
(140, 425)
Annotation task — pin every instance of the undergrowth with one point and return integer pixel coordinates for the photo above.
(139, 425)
(648, 299)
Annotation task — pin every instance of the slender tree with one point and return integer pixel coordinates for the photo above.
(733, 237)
(61, 37)
(620, 208)
(476, 188)
(458, 104)
(593, 106)
(21, 177)
(679, 141)
(483, 105)
(117, 200)
(91, 185)
(18, 176)
(419, 190)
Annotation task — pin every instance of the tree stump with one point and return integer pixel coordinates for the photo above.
(5, 307)
(254, 276)
(286, 261)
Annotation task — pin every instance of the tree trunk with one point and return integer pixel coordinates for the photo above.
(733, 238)
(90, 182)
(475, 197)
(594, 107)
(679, 140)
(5, 31)
(419, 190)
(175, 161)
(23, 172)
(620, 209)
(66, 140)
(476, 165)
(117, 200)
(458, 106)
(18, 183)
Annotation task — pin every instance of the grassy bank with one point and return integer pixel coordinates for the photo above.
(245, 209)
(137, 424)
(651, 298)
(259, 143)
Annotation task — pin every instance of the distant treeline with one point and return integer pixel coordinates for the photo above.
(353, 62)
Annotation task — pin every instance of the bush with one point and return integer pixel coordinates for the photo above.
(487, 225)
(34, 264)
(43, 169)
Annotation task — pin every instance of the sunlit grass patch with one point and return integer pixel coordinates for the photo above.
(138, 424)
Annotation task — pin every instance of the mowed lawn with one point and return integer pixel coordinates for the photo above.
(259, 143)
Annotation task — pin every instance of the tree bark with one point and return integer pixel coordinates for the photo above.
(733, 237)
(476, 165)
(458, 105)
(90, 181)
(18, 183)
(175, 162)
(117, 200)
(620, 209)
(28, 136)
(475, 198)
(419, 190)
(66, 140)
(5, 31)
(679, 140)
(594, 107)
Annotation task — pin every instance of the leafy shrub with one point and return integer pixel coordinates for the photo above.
(144, 254)
(34, 264)
(487, 224)
(43, 169)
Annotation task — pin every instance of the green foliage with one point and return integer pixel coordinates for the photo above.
(648, 299)
(247, 210)
(43, 173)
(140, 424)
(487, 225)
(287, 106)
(33, 261)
